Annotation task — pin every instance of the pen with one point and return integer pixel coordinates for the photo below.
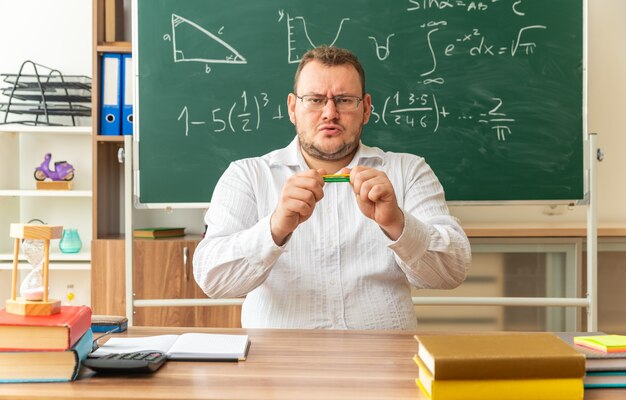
(336, 178)
(95, 345)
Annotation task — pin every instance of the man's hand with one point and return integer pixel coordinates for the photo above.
(377, 199)
(296, 204)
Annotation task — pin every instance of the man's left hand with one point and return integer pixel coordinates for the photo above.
(377, 199)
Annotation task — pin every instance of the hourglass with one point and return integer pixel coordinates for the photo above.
(20, 305)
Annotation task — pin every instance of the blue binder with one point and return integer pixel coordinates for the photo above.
(127, 94)
(110, 113)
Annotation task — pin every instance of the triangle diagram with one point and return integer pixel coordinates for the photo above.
(191, 42)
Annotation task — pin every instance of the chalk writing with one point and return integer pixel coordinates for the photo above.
(244, 115)
(423, 112)
(499, 118)
(382, 51)
(474, 43)
(417, 5)
(297, 32)
(185, 34)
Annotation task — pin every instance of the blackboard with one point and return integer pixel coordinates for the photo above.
(489, 92)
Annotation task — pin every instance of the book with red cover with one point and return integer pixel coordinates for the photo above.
(46, 333)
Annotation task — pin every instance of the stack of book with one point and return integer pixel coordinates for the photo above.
(499, 366)
(605, 369)
(44, 348)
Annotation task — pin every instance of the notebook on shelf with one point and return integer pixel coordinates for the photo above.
(160, 232)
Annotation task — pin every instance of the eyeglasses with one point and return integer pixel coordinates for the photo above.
(316, 102)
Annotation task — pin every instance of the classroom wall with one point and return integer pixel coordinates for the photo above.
(607, 103)
(54, 33)
(606, 116)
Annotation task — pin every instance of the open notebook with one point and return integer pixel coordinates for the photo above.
(188, 346)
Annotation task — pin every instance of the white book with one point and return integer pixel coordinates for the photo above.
(188, 346)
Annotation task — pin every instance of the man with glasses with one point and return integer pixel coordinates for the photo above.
(313, 254)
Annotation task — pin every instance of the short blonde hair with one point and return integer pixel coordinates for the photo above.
(330, 56)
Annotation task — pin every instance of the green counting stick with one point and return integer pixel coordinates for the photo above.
(337, 178)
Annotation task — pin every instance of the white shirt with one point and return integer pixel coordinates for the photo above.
(338, 269)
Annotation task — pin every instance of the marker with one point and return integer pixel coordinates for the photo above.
(336, 178)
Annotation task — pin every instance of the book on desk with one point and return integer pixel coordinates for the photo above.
(499, 366)
(187, 346)
(45, 366)
(44, 348)
(54, 332)
(108, 323)
(603, 370)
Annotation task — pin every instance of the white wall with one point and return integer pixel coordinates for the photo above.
(54, 33)
(607, 103)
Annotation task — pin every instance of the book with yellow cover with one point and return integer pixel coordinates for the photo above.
(501, 355)
(498, 389)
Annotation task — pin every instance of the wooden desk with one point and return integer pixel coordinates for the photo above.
(282, 364)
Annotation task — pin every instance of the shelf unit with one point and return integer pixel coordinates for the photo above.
(107, 256)
(22, 148)
(114, 216)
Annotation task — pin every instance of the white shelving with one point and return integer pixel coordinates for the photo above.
(58, 266)
(22, 149)
(44, 193)
(80, 261)
(55, 255)
(46, 130)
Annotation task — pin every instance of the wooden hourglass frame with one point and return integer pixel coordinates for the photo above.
(18, 305)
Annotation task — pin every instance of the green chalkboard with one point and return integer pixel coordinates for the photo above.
(489, 92)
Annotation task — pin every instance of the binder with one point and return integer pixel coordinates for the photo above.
(127, 94)
(110, 114)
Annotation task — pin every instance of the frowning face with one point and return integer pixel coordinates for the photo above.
(327, 133)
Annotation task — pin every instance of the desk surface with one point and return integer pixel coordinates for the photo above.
(282, 364)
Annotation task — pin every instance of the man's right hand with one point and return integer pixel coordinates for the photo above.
(296, 204)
